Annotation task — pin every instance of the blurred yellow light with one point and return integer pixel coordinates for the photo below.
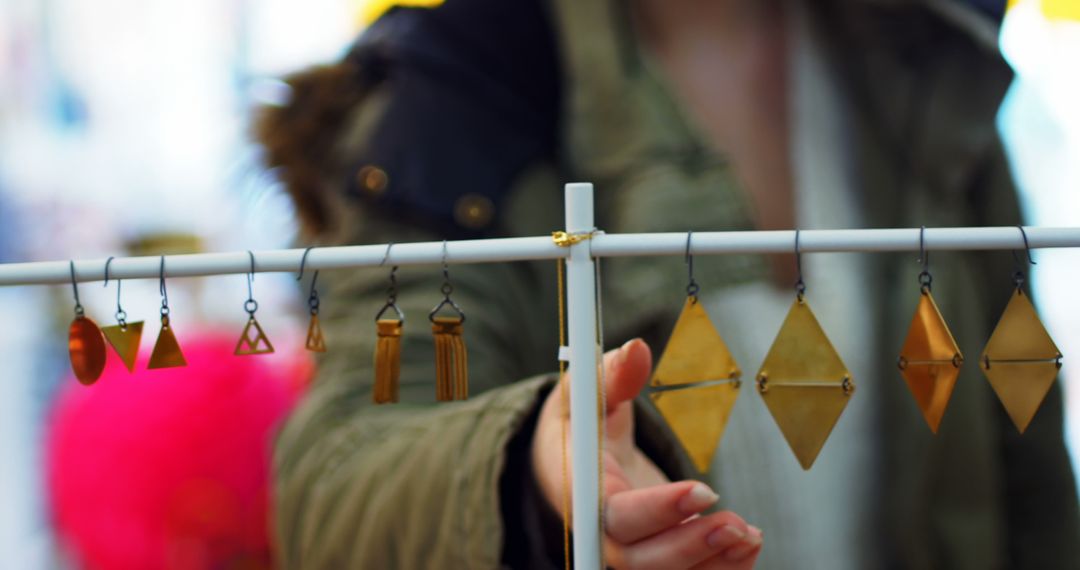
(371, 10)
(1061, 9)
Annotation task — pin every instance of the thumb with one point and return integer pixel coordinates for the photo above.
(626, 371)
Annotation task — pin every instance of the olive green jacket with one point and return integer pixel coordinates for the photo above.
(425, 485)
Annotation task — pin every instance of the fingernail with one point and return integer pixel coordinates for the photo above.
(747, 547)
(724, 537)
(756, 531)
(697, 499)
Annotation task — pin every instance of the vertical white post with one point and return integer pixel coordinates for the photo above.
(584, 427)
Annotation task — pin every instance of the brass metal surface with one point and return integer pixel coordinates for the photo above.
(804, 383)
(253, 340)
(696, 353)
(930, 361)
(451, 359)
(167, 353)
(125, 340)
(86, 348)
(315, 341)
(1020, 360)
(698, 415)
(387, 361)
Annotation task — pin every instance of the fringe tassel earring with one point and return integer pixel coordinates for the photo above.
(451, 358)
(388, 346)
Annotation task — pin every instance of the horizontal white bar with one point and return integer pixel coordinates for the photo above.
(542, 247)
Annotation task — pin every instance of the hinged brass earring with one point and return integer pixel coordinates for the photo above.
(930, 360)
(697, 380)
(253, 339)
(451, 358)
(123, 336)
(166, 352)
(803, 381)
(388, 344)
(86, 345)
(1020, 360)
(315, 341)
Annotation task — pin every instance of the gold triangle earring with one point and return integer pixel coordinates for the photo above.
(696, 382)
(930, 360)
(451, 358)
(86, 345)
(388, 344)
(315, 341)
(1020, 360)
(166, 353)
(253, 339)
(124, 337)
(803, 381)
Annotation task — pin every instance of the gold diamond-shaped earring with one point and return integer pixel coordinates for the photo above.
(929, 361)
(697, 380)
(1020, 360)
(803, 381)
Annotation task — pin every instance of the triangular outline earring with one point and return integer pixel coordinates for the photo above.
(315, 342)
(260, 344)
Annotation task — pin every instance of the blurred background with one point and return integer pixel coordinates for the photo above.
(124, 129)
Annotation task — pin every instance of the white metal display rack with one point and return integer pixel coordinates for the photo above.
(584, 244)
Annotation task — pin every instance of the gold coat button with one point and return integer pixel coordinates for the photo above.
(372, 179)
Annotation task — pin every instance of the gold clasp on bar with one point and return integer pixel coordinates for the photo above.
(567, 239)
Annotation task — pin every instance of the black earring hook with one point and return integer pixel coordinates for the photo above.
(313, 294)
(1018, 275)
(121, 314)
(692, 287)
(447, 290)
(251, 305)
(391, 291)
(164, 293)
(75, 287)
(925, 279)
(800, 285)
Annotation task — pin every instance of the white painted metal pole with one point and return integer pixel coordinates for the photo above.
(584, 426)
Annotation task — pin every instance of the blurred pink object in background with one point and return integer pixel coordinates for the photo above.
(170, 468)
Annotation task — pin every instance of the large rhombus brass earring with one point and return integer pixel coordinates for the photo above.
(930, 360)
(803, 381)
(696, 382)
(1020, 360)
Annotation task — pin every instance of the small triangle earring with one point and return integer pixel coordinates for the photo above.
(167, 353)
(1020, 360)
(803, 381)
(123, 336)
(253, 339)
(86, 345)
(696, 382)
(315, 341)
(930, 360)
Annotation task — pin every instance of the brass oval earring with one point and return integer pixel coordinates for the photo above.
(86, 345)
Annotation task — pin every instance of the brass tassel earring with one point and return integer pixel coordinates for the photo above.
(1020, 360)
(315, 341)
(388, 345)
(929, 361)
(86, 345)
(451, 358)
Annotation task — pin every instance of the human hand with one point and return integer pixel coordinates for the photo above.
(650, 521)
